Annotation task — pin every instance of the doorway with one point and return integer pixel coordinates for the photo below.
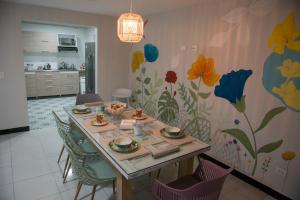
(59, 63)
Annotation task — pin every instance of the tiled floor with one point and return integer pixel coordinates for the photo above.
(28, 171)
(40, 110)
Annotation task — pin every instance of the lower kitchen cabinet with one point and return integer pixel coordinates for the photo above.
(47, 83)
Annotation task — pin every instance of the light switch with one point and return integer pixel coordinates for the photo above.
(1, 75)
(194, 48)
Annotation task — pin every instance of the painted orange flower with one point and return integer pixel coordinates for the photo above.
(205, 69)
(137, 60)
(288, 155)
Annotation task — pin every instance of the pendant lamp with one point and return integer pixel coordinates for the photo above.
(130, 26)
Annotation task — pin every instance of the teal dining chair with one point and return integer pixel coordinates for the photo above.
(80, 144)
(89, 172)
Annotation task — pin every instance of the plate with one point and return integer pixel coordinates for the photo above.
(95, 123)
(132, 148)
(86, 111)
(139, 118)
(80, 107)
(164, 133)
(172, 130)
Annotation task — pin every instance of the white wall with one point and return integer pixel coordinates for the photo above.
(112, 70)
(234, 34)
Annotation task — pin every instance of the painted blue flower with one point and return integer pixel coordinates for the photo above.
(151, 52)
(232, 85)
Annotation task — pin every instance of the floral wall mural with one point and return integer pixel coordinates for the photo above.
(231, 79)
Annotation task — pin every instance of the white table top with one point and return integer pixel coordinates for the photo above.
(144, 164)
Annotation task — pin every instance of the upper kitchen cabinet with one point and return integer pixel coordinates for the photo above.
(40, 42)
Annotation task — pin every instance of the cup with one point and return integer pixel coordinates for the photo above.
(139, 112)
(137, 129)
(99, 118)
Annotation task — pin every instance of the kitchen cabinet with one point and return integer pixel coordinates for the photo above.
(69, 82)
(51, 83)
(48, 83)
(40, 42)
(30, 79)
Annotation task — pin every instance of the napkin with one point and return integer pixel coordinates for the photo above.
(127, 123)
(162, 149)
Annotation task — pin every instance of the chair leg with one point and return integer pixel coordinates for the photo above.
(77, 190)
(158, 173)
(93, 193)
(61, 152)
(66, 175)
(65, 168)
(114, 186)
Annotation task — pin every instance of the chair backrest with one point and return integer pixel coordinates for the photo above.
(122, 93)
(82, 170)
(211, 178)
(62, 127)
(87, 98)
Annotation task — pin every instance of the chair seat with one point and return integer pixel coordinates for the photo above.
(101, 169)
(86, 147)
(184, 182)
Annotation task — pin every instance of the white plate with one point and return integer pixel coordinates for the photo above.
(123, 142)
(80, 107)
(103, 123)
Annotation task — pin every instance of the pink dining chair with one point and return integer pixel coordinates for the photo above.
(205, 184)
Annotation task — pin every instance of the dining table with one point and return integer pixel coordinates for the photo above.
(149, 156)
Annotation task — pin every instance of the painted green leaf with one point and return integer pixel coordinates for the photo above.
(193, 95)
(147, 92)
(167, 107)
(199, 128)
(269, 147)
(143, 70)
(243, 138)
(272, 113)
(194, 86)
(203, 95)
(150, 108)
(138, 79)
(240, 105)
(138, 91)
(147, 80)
(159, 83)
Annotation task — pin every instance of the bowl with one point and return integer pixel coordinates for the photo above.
(123, 142)
(80, 107)
(174, 131)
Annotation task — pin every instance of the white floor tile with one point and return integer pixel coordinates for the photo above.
(5, 175)
(5, 159)
(52, 197)
(30, 170)
(85, 193)
(70, 184)
(7, 192)
(36, 188)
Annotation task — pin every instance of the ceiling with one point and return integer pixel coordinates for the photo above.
(112, 7)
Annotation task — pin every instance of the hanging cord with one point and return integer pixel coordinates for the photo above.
(130, 6)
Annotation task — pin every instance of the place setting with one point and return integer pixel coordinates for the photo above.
(81, 109)
(138, 115)
(99, 124)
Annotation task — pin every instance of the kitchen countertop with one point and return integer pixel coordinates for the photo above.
(52, 70)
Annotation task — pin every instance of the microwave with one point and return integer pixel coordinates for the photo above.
(67, 40)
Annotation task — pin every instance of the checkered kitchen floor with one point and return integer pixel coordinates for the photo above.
(40, 110)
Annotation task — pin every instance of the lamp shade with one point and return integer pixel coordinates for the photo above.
(130, 27)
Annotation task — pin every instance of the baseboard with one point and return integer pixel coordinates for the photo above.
(249, 180)
(14, 130)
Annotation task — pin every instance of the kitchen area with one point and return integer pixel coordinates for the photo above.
(59, 63)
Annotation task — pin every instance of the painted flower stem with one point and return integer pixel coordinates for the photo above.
(254, 140)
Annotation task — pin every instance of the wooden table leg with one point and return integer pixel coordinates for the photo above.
(123, 188)
(185, 167)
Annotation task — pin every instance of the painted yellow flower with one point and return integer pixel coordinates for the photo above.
(289, 93)
(290, 69)
(284, 35)
(288, 155)
(137, 60)
(205, 69)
